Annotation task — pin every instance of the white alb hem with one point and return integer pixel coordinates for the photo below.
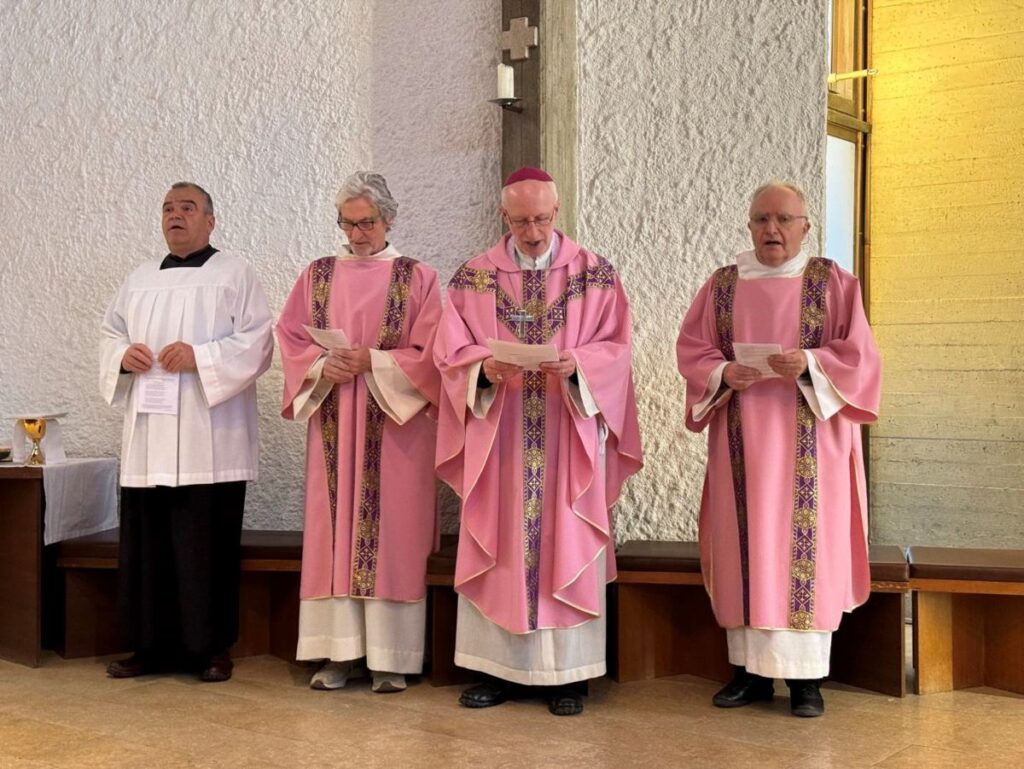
(793, 654)
(390, 634)
(530, 677)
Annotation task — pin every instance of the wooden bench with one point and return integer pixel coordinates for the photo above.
(662, 622)
(268, 597)
(968, 618)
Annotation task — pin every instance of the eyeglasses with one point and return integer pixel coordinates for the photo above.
(363, 224)
(783, 220)
(539, 221)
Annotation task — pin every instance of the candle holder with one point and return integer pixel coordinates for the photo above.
(510, 103)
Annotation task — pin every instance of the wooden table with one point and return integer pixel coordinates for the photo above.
(26, 572)
(31, 594)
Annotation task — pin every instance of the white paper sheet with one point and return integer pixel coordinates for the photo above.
(529, 356)
(756, 356)
(158, 391)
(329, 338)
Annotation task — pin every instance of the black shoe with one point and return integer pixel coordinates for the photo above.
(744, 689)
(217, 668)
(805, 698)
(137, 665)
(565, 701)
(486, 695)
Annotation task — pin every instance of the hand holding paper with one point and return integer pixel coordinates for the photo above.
(756, 356)
(527, 356)
(564, 367)
(329, 338)
(789, 364)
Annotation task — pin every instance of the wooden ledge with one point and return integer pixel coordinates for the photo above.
(678, 563)
(976, 587)
(966, 564)
(262, 550)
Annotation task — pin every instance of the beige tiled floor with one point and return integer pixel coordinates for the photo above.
(68, 714)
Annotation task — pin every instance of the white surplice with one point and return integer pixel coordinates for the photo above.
(219, 308)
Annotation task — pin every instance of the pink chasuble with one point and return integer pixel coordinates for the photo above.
(783, 519)
(535, 505)
(370, 509)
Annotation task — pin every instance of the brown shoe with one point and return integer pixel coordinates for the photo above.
(217, 669)
(130, 667)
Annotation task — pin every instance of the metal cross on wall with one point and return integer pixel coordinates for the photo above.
(519, 38)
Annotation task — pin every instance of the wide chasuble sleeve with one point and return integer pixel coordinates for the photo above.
(370, 510)
(783, 520)
(535, 502)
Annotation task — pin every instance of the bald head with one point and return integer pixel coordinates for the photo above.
(778, 222)
(780, 184)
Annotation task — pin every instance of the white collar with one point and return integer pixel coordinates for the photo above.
(751, 269)
(525, 262)
(388, 252)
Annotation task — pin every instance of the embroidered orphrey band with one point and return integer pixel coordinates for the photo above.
(323, 271)
(534, 331)
(367, 530)
(805, 483)
(724, 298)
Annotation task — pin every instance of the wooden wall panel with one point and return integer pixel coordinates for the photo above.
(946, 280)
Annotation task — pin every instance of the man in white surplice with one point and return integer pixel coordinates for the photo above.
(184, 341)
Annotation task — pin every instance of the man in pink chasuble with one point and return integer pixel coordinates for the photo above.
(538, 457)
(783, 519)
(356, 338)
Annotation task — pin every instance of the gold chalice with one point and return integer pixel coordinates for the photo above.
(35, 429)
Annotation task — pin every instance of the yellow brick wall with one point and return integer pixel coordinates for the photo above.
(946, 272)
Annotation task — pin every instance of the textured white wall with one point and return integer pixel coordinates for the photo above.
(267, 105)
(435, 137)
(685, 108)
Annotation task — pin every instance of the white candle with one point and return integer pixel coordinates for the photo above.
(506, 82)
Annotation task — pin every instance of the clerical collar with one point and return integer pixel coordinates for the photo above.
(388, 252)
(542, 262)
(195, 259)
(751, 269)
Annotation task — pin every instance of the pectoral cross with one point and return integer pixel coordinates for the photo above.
(521, 318)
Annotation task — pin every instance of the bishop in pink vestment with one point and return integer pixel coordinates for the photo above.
(783, 519)
(537, 457)
(370, 511)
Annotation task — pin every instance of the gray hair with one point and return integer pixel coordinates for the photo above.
(373, 187)
(783, 184)
(207, 200)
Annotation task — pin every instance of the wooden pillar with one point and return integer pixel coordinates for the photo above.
(546, 132)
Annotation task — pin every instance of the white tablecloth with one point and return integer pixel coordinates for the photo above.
(81, 498)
